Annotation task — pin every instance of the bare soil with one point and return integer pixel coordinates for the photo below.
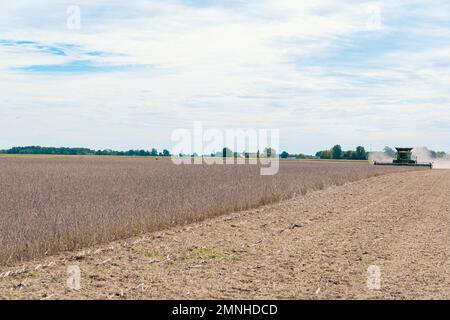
(316, 246)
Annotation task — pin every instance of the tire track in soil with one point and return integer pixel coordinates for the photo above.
(332, 273)
(422, 241)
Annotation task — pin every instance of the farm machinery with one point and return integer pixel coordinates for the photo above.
(404, 157)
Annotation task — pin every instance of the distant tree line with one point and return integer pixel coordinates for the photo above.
(84, 151)
(334, 153)
(228, 153)
(287, 155)
(337, 153)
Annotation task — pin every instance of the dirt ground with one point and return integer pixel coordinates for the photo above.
(318, 246)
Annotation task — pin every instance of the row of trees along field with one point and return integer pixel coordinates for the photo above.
(226, 152)
(337, 153)
(267, 152)
(83, 151)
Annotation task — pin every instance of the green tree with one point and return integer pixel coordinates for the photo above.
(361, 153)
(336, 152)
(349, 155)
(325, 154)
(227, 153)
(284, 155)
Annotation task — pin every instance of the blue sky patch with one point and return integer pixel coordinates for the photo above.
(77, 66)
(52, 49)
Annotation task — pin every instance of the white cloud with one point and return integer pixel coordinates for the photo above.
(270, 63)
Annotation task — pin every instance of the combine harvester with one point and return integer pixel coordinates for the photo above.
(404, 158)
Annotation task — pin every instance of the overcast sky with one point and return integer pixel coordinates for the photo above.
(324, 72)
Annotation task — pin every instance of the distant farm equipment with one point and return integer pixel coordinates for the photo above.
(404, 157)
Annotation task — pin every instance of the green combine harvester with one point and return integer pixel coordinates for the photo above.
(404, 158)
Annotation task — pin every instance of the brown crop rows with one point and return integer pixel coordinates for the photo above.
(54, 204)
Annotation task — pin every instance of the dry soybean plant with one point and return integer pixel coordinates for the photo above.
(53, 204)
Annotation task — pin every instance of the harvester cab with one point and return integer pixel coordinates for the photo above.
(404, 156)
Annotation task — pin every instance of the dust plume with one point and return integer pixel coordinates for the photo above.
(379, 156)
(424, 155)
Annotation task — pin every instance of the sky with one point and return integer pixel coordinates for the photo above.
(126, 74)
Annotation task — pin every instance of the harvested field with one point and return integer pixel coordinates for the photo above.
(316, 246)
(53, 204)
